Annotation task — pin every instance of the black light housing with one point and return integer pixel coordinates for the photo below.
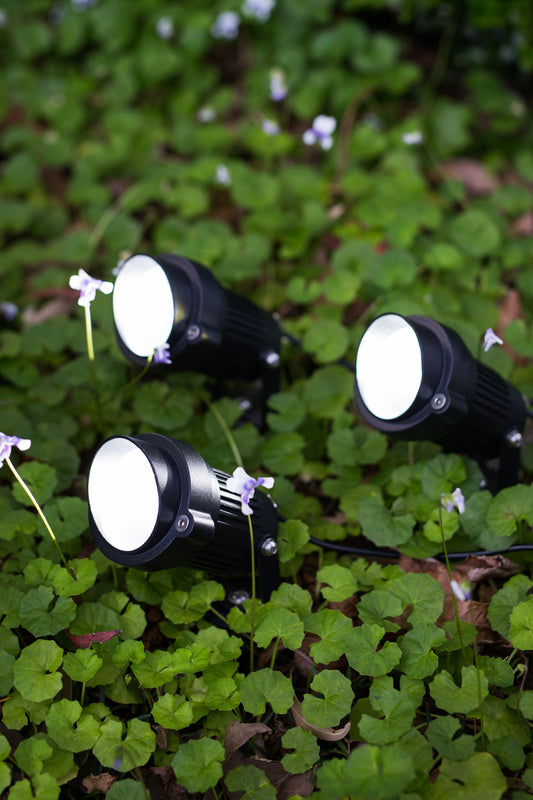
(171, 299)
(154, 503)
(417, 380)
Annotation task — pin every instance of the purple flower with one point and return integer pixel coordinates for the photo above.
(242, 484)
(454, 500)
(412, 137)
(320, 131)
(164, 28)
(270, 127)
(87, 287)
(9, 310)
(490, 338)
(226, 25)
(278, 87)
(260, 9)
(222, 175)
(161, 355)
(462, 591)
(8, 442)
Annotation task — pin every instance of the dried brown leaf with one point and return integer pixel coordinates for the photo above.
(326, 734)
(238, 733)
(473, 175)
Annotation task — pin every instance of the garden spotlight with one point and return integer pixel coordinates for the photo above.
(154, 503)
(417, 380)
(172, 300)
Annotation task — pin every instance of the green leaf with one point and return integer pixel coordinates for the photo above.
(133, 751)
(250, 780)
(293, 536)
(82, 665)
(126, 789)
(70, 727)
(418, 660)
(166, 409)
(80, 576)
(157, 668)
(44, 786)
(35, 671)
(282, 453)
(41, 480)
(283, 623)
(31, 754)
(475, 233)
(172, 711)
(326, 339)
(376, 605)
(266, 686)
(508, 509)
(442, 474)
(423, 593)
(40, 617)
(336, 702)
(398, 710)
(382, 527)
(198, 764)
(327, 391)
(363, 654)
(521, 625)
(457, 700)
(334, 629)
(500, 720)
(341, 581)
(504, 601)
(306, 747)
(441, 733)
(371, 772)
(289, 412)
(476, 778)
(67, 517)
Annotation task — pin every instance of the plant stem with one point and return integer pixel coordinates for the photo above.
(448, 567)
(252, 624)
(90, 353)
(228, 434)
(139, 375)
(37, 507)
(274, 653)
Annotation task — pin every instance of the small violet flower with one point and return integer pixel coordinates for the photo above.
(164, 28)
(490, 338)
(321, 131)
(270, 127)
(222, 175)
(278, 86)
(412, 137)
(206, 114)
(161, 355)
(9, 310)
(462, 591)
(260, 9)
(454, 500)
(226, 25)
(87, 287)
(241, 483)
(8, 442)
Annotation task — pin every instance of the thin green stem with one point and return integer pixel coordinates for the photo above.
(448, 567)
(89, 332)
(228, 434)
(140, 374)
(254, 597)
(90, 353)
(36, 505)
(274, 653)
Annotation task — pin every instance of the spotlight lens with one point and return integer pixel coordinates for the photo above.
(389, 367)
(123, 494)
(143, 305)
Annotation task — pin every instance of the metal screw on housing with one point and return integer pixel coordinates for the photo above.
(271, 359)
(193, 333)
(238, 597)
(182, 522)
(438, 401)
(269, 547)
(514, 438)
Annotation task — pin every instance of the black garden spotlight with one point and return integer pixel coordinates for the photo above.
(154, 503)
(417, 380)
(169, 299)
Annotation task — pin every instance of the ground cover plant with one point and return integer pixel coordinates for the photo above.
(330, 160)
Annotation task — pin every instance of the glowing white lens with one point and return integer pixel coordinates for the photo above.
(389, 367)
(123, 494)
(143, 305)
